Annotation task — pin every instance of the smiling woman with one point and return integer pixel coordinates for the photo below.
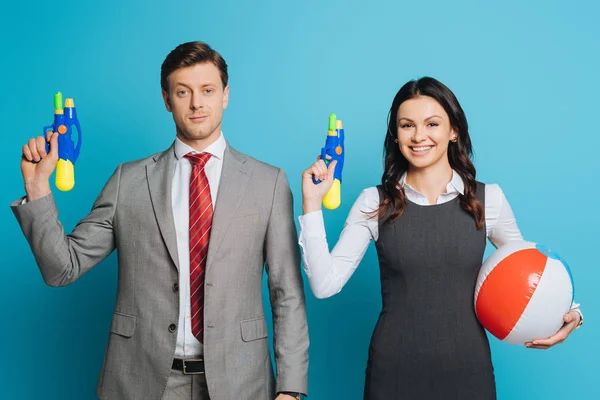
(430, 218)
(430, 142)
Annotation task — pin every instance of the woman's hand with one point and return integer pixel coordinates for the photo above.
(571, 319)
(312, 195)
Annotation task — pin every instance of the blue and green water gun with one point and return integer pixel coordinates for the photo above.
(64, 120)
(334, 148)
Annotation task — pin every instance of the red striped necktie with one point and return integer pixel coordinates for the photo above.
(201, 214)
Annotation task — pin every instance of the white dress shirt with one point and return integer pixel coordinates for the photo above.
(187, 344)
(328, 272)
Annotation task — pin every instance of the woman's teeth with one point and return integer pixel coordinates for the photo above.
(421, 149)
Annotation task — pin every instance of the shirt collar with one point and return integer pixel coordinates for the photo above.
(456, 184)
(216, 149)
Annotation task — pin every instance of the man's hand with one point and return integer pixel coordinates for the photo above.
(37, 165)
(571, 321)
(285, 397)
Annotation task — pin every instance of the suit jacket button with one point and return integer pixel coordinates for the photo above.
(172, 328)
(176, 287)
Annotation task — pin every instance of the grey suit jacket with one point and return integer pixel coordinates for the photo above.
(253, 226)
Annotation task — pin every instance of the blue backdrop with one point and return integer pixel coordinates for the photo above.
(526, 75)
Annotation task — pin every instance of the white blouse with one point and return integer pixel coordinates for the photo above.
(328, 272)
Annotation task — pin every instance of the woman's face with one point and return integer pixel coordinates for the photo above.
(424, 132)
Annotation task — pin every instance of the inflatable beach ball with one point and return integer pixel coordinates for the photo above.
(522, 293)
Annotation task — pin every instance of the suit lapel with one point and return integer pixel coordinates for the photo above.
(160, 180)
(234, 179)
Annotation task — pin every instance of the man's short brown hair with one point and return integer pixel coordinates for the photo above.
(188, 54)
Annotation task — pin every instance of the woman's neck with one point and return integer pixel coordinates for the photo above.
(430, 181)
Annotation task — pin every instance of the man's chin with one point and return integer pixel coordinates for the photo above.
(197, 135)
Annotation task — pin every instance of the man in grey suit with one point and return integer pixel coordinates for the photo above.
(194, 227)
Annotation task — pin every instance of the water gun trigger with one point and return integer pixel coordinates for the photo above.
(46, 129)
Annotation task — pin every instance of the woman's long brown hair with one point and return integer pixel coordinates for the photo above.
(393, 201)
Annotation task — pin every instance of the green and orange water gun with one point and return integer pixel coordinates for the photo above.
(64, 121)
(334, 150)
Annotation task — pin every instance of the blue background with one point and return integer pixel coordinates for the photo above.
(526, 75)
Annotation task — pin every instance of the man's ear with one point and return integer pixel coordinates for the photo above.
(225, 97)
(166, 100)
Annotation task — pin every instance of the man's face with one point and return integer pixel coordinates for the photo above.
(196, 98)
